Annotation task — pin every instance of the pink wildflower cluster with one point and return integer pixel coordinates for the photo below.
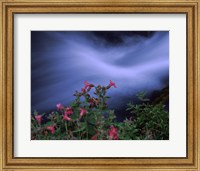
(69, 111)
(88, 86)
(64, 114)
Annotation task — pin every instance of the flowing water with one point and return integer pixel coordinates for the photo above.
(62, 61)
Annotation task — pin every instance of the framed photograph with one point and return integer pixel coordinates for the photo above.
(99, 85)
(91, 112)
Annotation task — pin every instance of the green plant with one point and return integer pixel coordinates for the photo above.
(149, 121)
(89, 118)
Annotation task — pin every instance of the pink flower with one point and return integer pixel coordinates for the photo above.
(59, 106)
(112, 84)
(88, 85)
(66, 118)
(94, 137)
(69, 111)
(113, 133)
(83, 90)
(51, 128)
(83, 111)
(38, 118)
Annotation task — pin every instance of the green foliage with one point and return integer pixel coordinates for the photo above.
(150, 121)
(88, 117)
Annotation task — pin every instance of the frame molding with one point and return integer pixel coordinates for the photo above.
(11, 7)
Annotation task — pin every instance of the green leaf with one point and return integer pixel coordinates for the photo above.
(50, 123)
(83, 127)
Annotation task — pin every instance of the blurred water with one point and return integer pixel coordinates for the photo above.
(62, 61)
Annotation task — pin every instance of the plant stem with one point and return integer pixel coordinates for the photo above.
(79, 133)
(87, 125)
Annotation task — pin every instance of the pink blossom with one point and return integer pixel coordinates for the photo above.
(113, 133)
(112, 84)
(69, 111)
(83, 90)
(88, 85)
(83, 111)
(94, 137)
(38, 118)
(51, 128)
(66, 118)
(59, 106)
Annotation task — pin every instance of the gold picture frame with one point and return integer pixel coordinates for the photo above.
(10, 7)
